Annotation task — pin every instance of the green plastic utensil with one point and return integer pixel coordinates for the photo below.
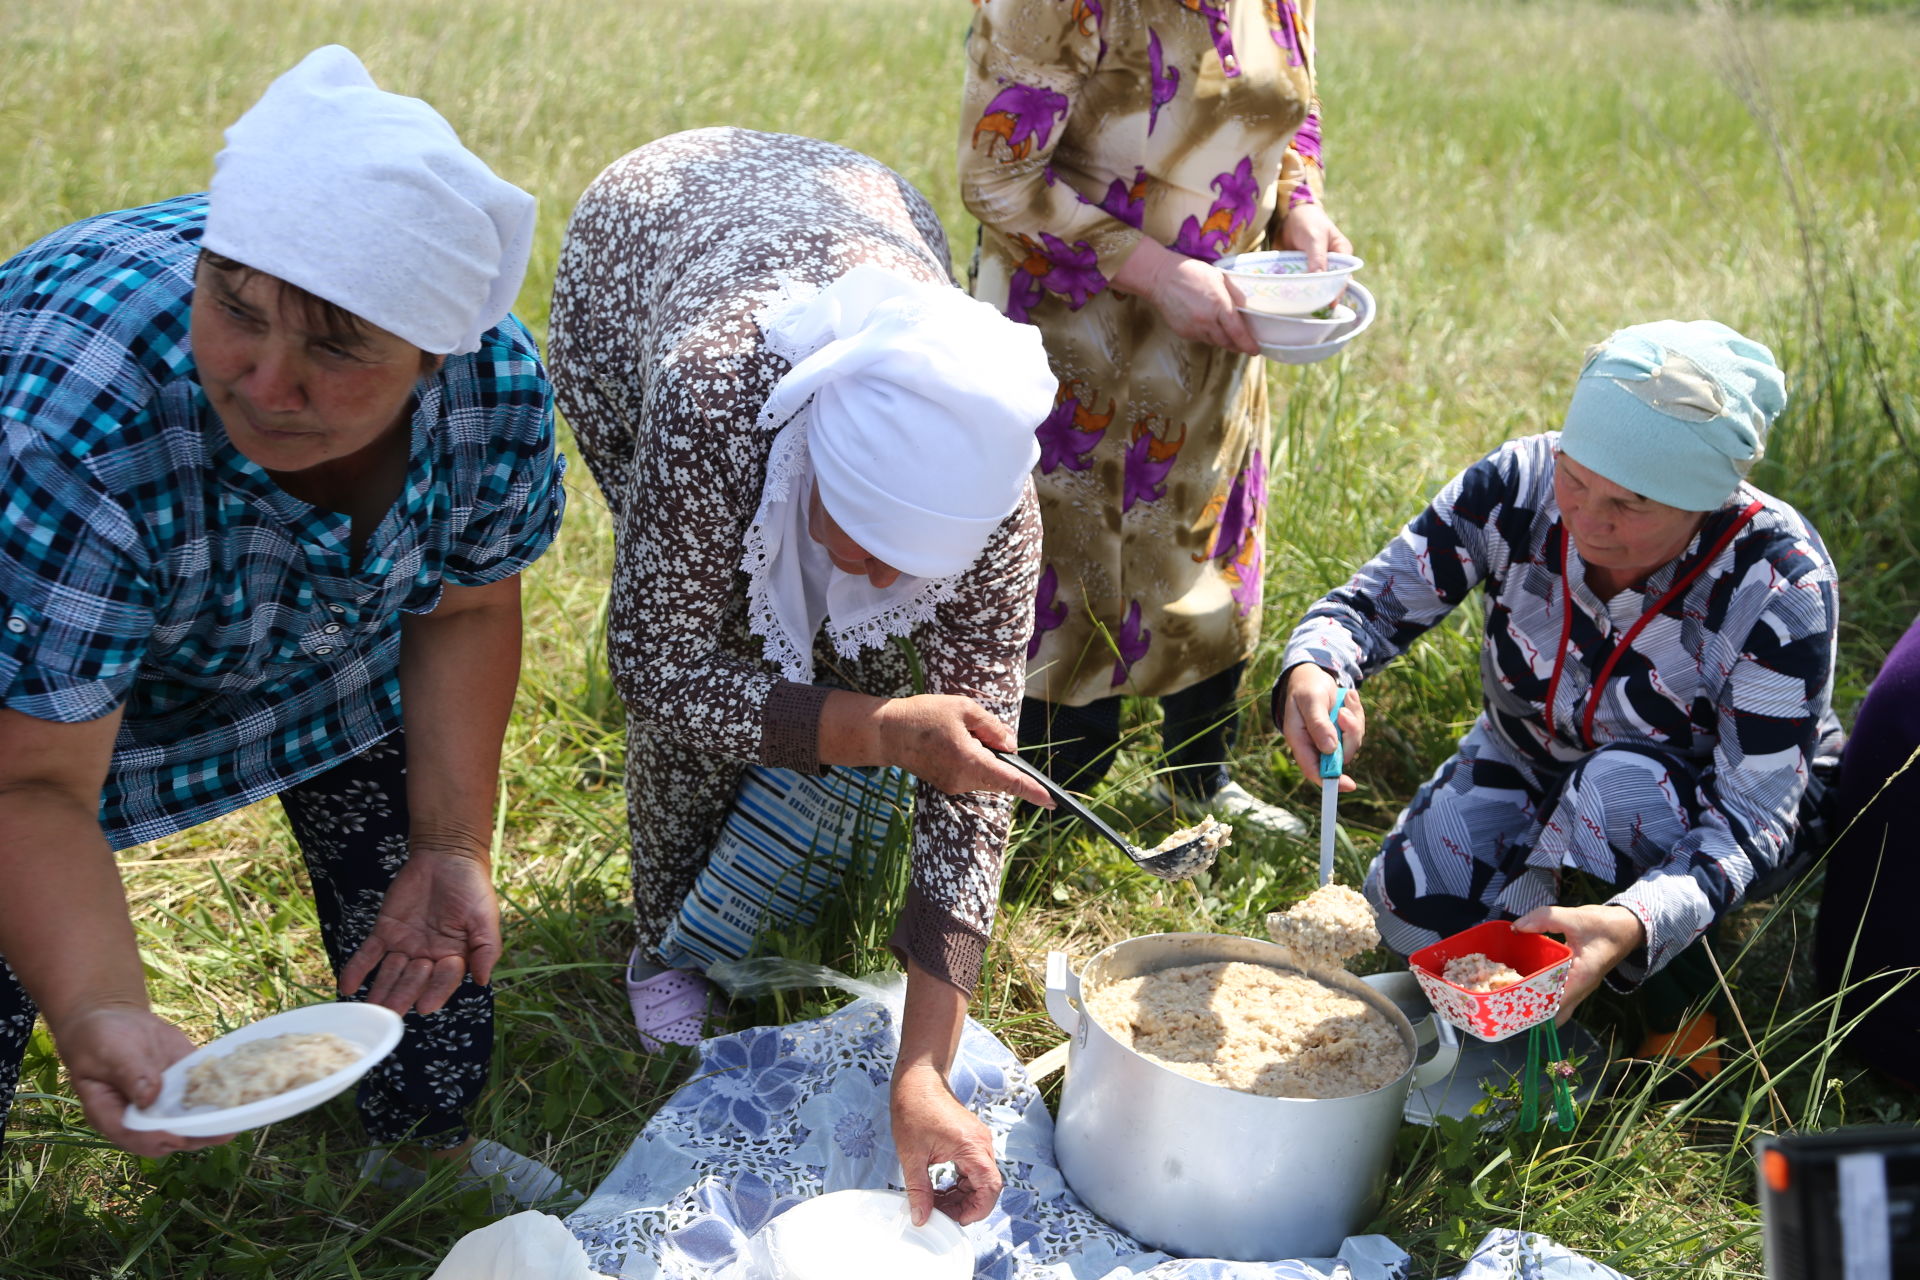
(1563, 1115)
(1543, 1048)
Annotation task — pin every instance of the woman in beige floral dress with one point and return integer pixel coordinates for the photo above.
(1113, 150)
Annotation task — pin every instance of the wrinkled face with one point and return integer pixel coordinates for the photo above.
(292, 395)
(847, 555)
(1617, 529)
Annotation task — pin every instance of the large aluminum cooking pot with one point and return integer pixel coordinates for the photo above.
(1202, 1171)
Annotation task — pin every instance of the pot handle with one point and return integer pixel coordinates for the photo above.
(1445, 1039)
(1063, 993)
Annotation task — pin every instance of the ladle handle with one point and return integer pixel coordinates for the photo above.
(1067, 800)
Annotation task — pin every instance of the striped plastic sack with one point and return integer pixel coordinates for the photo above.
(788, 840)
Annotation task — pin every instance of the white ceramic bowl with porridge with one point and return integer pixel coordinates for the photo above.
(286, 1063)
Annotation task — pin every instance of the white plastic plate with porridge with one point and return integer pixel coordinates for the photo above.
(319, 1050)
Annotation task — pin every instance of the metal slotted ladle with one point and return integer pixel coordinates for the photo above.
(1182, 862)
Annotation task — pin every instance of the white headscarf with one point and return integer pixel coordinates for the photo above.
(914, 408)
(368, 200)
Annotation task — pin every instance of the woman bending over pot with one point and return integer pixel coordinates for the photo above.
(1655, 674)
(814, 447)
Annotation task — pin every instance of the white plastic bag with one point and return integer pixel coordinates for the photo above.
(526, 1246)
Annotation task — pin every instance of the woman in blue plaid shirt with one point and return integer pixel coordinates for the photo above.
(274, 458)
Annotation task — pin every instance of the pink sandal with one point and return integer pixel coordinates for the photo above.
(670, 1007)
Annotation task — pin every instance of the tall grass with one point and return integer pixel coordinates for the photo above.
(1521, 179)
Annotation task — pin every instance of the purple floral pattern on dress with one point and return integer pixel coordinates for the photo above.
(1070, 432)
(1090, 17)
(1132, 643)
(1165, 82)
(1022, 116)
(1289, 32)
(1219, 29)
(1236, 538)
(1237, 197)
(1243, 510)
(1126, 201)
(1048, 613)
(1071, 271)
(1306, 145)
(1149, 458)
(1243, 571)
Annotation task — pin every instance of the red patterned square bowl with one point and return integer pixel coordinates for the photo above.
(1495, 1015)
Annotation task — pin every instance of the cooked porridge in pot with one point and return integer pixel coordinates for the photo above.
(1253, 1028)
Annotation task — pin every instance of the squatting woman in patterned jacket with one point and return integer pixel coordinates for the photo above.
(1656, 670)
(814, 448)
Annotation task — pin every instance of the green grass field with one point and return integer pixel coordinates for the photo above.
(1521, 178)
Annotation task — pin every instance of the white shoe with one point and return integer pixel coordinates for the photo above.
(516, 1181)
(1232, 804)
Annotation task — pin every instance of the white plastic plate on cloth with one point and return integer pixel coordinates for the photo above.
(860, 1235)
(373, 1029)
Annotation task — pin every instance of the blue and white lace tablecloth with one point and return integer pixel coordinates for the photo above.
(775, 1115)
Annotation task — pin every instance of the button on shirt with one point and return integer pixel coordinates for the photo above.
(148, 564)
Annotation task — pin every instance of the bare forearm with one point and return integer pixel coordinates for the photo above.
(1145, 267)
(930, 1024)
(457, 680)
(850, 729)
(64, 927)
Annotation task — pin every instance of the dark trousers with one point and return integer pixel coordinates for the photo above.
(1866, 941)
(351, 824)
(1074, 745)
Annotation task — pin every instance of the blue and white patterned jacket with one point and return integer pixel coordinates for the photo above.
(1735, 676)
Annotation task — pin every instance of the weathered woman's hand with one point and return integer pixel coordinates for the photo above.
(1200, 304)
(944, 738)
(1193, 297)
(1303, 705)
(1600, 937)
(931, 1127)
(114, 1057)
(1308, 229)
(439, 922)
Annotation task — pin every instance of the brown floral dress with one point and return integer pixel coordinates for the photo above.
(1086, 125)
(659, 367)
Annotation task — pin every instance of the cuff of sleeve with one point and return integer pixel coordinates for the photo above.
(1274, 708)
(938, 941)
(790, 731)
(1326, 644)
(1646, 958)
(1111, 248)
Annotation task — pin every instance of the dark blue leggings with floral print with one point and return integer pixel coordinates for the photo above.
(351, 823)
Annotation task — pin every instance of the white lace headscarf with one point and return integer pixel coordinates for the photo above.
(368, 200)
(914, 408)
